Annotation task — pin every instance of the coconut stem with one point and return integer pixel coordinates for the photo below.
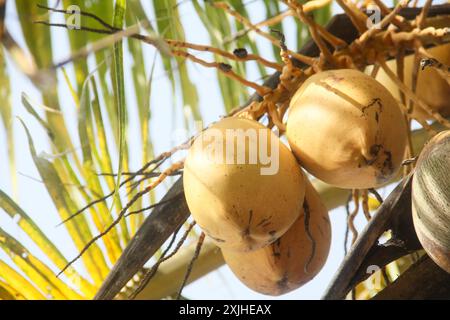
(352, 216)
(365, 204)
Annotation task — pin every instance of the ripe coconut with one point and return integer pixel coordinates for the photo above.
(347, 129)
(432, 88)
(289, 262)
(431, 199)
(243, 186)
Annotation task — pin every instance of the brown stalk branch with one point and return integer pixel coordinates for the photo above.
(423, 280)
(308, 7)
(380, 222)
(236, 56)
(224, 6)
(225, 69)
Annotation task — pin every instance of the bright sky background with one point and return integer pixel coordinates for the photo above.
(33, 197)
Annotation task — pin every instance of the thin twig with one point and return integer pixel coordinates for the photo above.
(365, 204)
(347, 210)
(137, 196)
(164, 257)
(308, 7)
(351, 217)
(226, 7)
(66, 26)
(191, 264)
(82, 13)
(224, 68)
(135, 174)
(411, 95)
(238, 55)
(375, 70)
(149, 207)
(377, 196)
(158, 161)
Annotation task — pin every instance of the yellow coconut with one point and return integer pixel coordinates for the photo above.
(431, 199)
(289, 262)
(243, 186)
(432, 88)
(347, 129)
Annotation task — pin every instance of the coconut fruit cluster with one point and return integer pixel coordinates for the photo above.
(248, 192)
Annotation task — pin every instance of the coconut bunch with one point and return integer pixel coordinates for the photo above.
(345, 127)
(273, 228)
(267, 218)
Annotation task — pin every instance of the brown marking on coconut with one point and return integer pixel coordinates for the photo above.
(280, 267)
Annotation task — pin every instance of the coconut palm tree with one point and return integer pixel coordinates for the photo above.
(113, 91)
